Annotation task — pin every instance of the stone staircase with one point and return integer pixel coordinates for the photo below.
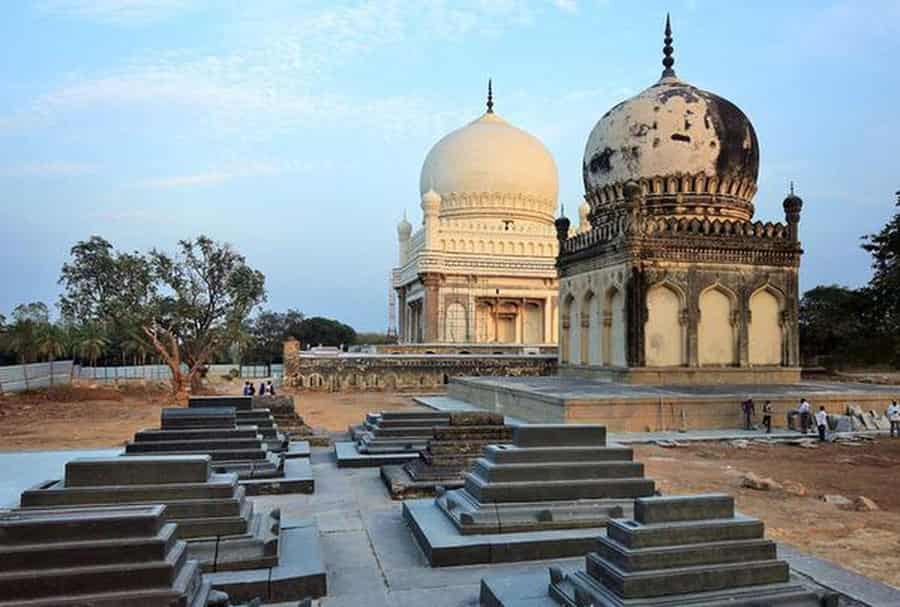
(102, 557)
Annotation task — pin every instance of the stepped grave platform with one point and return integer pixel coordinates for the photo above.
(223, 531)
(390, 437)
(246, 415)
(240, 449)
(449, 453)
(547, 495)
(285, 414)
(102, 557)
(677, 551)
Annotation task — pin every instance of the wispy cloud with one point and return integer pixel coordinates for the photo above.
(223, 174)
(47, 169)
(570, 6)
(270, 77)
(119, 12)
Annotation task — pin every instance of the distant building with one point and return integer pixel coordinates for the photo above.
(674, 282)
(481, 268)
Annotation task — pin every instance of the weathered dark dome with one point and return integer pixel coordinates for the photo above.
(671, 129)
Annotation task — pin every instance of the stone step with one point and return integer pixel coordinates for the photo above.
(32, 584)
(684, 508)
(218, 455)
(433, 415)
(634, 535)
(245, 432)
(687, 580)
(497, 434)
(182, 509)
(240, 403)
(668, 557)
(398, 431)
(529, 491)
(196, 445)
(54, 493)
(408, 423)
(490, 472)
(510, 454)
(27, 527)
(89, 552)
(118, 471)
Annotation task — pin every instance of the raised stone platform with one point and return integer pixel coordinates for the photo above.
(398, 432)
(691, 550)
(638, 408)
(223, 531)
(284, 412)
(103, 557)
(211, 429)
(552, 478)
(246, 415)
(449, 453)
(348, 456)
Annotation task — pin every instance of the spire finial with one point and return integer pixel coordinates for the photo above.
(490, 101)
(792, 188)
(562, 210)
(668, 61)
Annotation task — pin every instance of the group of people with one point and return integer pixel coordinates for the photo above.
(265, 389)
(804, 410)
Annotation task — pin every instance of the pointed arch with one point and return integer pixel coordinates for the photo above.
(716, 329)
(764, 328)
(664, 331)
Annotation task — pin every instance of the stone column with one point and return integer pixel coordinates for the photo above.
(548, 319)
(744, 320)
(401, 314)
(431, 306)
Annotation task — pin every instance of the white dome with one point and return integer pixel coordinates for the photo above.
(490, 156)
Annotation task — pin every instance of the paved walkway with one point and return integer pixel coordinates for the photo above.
(372, 559)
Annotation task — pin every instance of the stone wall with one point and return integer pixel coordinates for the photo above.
(410, 372)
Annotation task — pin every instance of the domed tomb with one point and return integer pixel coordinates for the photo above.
(694, 153)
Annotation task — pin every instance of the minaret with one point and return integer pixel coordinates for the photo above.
(793, 204)
(668, 61)
(404, 231)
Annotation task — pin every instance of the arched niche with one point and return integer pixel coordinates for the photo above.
(663, 332)
(766, 335)
(716, 340)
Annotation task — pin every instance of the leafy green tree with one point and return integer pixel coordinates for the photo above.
(270, 330)
(21, 338)
(185, 305)
(326, 332)
(834, 322)
(884, 287)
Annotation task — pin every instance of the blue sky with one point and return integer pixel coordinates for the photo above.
(296, 130)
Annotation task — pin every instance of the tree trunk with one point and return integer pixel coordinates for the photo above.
(171, 356)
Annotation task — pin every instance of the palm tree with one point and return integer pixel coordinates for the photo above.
(137, 347)
(92, 343)
(21, 340)
(51, 342)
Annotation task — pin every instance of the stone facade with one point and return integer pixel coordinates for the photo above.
(412, 372)
(481, 267)
(674, 281)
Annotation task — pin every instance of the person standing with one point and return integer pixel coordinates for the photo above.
(893, 415)
(804, 410)
(749, 410)
(822, 422)
(270, 388)
(262, 389)
(767, 416)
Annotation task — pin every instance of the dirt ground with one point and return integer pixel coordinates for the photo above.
(865, 542)
(78, 417)
(335, 411)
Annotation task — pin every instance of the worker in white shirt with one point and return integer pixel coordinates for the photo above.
(803, 409)
(822, 422)
(893, 415)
